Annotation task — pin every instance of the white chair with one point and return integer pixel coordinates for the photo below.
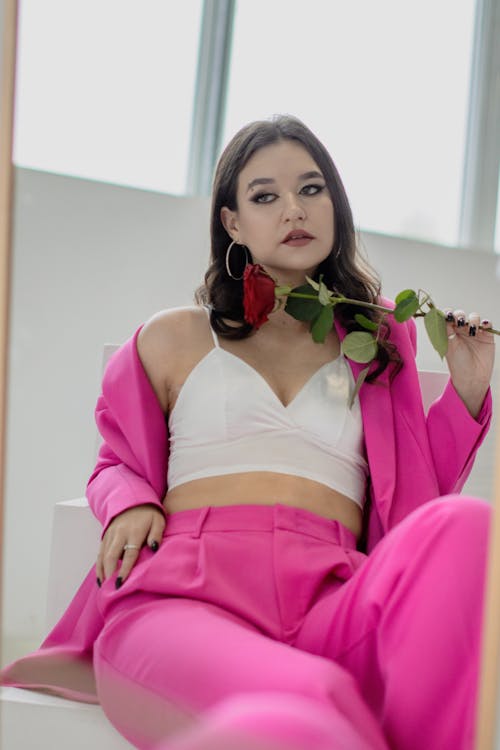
(32, 720)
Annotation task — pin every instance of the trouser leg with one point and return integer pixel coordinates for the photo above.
(272, 721)
(408, 625)
(164, 662)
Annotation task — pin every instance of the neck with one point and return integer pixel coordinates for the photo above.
(290, 278)
(282, 326)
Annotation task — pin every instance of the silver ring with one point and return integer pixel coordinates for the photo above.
(452, 336)
(131, 546)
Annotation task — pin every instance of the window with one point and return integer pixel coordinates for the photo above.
(105, 89)
(384, 85)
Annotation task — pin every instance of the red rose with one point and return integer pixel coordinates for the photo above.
(258, 295)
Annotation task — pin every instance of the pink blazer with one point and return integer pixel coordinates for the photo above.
(412, 459)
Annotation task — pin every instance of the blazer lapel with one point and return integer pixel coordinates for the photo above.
(378, 425)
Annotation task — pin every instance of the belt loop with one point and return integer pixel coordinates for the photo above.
(200, 522)
(276, 516)
(346, 538)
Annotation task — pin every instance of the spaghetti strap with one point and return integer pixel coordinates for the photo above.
(214, 335)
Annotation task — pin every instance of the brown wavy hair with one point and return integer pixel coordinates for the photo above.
(345, 270)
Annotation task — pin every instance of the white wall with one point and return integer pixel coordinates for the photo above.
(91, 262)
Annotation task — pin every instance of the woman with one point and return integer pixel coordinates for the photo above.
(256, 587)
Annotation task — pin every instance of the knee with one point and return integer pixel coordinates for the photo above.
(453, 524)
(312, 677)
(461, 515)
(250, 721)
(324, 680)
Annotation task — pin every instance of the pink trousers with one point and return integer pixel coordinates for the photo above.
(264, 627)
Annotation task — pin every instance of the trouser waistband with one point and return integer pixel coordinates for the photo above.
(259, 518)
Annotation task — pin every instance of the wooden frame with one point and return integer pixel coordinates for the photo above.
(486, 729)
(8, 39)
(488, 689)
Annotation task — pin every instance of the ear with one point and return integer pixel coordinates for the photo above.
(230, 221)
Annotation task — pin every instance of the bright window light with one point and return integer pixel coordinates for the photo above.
(105, 89)
(383, 84)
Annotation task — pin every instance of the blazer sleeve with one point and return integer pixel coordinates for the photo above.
(454, 435)
(131, 467)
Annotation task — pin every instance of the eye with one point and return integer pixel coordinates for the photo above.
(312, 189)
(308, 190)
(261, 196)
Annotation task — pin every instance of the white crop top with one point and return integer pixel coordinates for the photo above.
(227, 419)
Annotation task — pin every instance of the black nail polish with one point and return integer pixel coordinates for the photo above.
(99, 582)
(154, 546)
(472, 330)
(486, 323)
(450, 317)
(461, 322)
(118, 582)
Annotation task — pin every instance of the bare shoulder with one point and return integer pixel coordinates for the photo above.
(169, 328)
(168, 342)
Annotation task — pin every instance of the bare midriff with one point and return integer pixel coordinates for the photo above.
(265, 488)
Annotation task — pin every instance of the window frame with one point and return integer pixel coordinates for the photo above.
(214, 59)
(482, 147)
(480, 181)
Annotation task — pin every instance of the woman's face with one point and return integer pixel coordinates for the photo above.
(281, 191)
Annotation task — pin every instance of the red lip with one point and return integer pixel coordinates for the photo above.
(298, 233)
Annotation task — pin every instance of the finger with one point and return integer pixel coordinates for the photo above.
(112, 554)
(460, 319)
(130, 555)
(156, 532)
(483, 328)
(473, 323)
(450, 323)
(99, 568)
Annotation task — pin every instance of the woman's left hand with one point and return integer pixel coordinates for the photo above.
(470, 357)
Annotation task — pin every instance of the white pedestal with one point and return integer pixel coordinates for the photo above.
(76, 537)
(33, 721)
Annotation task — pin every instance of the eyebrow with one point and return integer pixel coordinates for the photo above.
(270, 180)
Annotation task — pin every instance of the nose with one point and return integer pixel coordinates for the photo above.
(294, 209)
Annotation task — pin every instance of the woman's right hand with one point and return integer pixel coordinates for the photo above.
(143, 524)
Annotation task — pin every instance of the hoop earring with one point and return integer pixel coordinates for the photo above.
(228, 254)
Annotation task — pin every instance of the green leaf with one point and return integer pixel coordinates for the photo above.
(405, 294)
(322, 325)
(365, 322)
(406, 308)
(303, 309)
(435, 325)
(360, 346)
(312, 283)
(324, 294)
(359, 382)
